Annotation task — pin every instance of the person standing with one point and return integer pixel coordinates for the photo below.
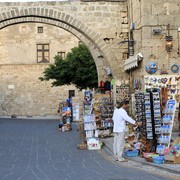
(120, 117)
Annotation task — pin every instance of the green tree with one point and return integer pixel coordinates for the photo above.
(77, 68)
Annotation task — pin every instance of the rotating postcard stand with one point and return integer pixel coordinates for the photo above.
(153, 116)
(164, 138)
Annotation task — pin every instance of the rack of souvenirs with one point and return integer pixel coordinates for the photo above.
(88, 127)
(152, 141)
(169, 85)
(122, 92)
(65, 116)
(103, 109)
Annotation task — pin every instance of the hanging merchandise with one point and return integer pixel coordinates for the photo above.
(151, 67)
(170, 84)
(101, 86)
(107, 86)
(148, 111)
(122, 92)
(103, 108)
(164, 97)
(87, 102)
(137, 84)
(163, 70)
(175, 68)
(153, 111)
(65, 121)
(140, 110)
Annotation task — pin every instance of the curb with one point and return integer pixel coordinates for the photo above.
(145, 163)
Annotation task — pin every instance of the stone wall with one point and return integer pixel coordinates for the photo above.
(146, 17)
(18, 43)
(22, 93)
(100, 25)
(149, 16)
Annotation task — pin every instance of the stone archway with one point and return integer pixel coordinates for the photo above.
(93, 40)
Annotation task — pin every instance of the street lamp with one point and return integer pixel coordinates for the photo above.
(169, 44)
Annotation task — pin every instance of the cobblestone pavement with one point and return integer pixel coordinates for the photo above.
(36, 150)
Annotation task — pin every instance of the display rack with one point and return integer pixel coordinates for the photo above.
(90, 126)
(167, 126)
(149, 128)
(106, 112)
(91, 132)
(153, 113)
(90, 129)
(140, 110)
(156, 112)
(103, 108)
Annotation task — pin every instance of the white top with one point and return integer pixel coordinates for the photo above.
(120, 117)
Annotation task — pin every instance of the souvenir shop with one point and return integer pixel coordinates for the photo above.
(97, 119)
(157, 107)
(155, 103)
(98, 110)
(97, 116)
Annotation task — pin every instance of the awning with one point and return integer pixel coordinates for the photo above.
(132, 61)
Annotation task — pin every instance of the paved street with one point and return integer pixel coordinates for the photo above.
(36, 150)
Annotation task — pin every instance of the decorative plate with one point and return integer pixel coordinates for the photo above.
(151, 67)
(175, 68)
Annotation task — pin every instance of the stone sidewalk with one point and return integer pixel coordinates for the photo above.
(173, 168)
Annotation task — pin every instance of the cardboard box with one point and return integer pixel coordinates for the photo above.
(93, 144)
(172, 159)
(105, 132)
(176, 141)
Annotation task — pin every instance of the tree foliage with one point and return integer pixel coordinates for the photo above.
(77, 68)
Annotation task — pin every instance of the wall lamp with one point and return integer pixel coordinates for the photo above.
(169, 40)
(169, 43)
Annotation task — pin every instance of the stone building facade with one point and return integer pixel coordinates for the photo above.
(100, 25)
(151, 21)
(22, 93)
(104, 26)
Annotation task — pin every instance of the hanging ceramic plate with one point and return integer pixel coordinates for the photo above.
(175, 68)
(151, 67)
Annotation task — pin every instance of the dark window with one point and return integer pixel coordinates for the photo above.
(71, 93)
(43, 53)
(62, 54)
(40, 29)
